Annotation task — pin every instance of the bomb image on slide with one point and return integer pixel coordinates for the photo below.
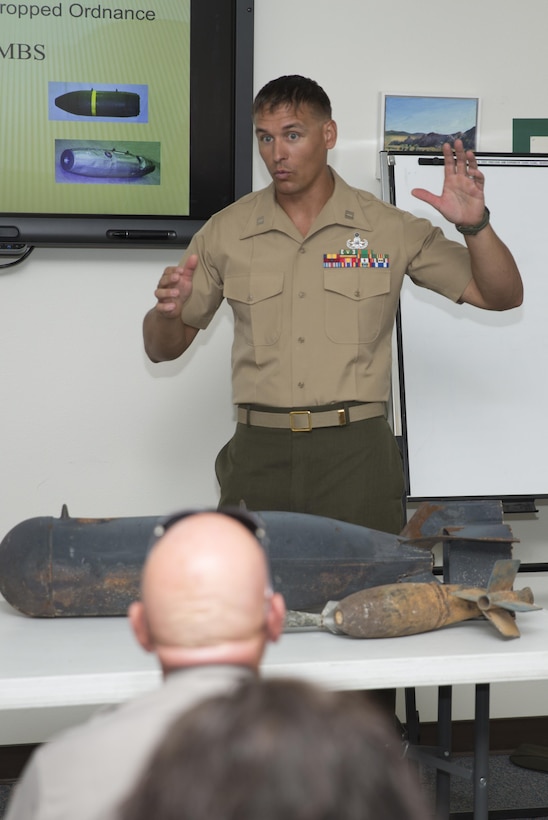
(94, 103)
(99, 162)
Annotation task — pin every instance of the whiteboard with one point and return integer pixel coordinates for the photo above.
(473, 386)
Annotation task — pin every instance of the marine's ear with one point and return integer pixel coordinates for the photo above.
(330, 133)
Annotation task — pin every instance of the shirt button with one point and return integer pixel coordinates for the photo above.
(302, 250)
(356, 293)
(302, 294)
(300, 339)
(301, 385)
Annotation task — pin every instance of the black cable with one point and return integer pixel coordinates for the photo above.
(19, 259)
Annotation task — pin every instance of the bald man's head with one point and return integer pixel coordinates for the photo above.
(206, 594)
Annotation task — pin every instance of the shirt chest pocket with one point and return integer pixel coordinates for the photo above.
(355, 303)
(257, 305)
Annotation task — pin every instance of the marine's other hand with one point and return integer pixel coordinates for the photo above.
(175, 287)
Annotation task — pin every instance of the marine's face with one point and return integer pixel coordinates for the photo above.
(293, 144)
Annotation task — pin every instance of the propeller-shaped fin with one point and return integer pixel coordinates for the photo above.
(499, 592)
(502, 577)
(503, 574)
(470, 594)
(499, 601)
(520, 600)
(503, 621)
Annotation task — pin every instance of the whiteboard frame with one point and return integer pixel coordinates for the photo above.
(521, 500)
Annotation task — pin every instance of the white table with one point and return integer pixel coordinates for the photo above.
(87, 661)
(80, 661)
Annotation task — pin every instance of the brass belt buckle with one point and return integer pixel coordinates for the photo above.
(306, 413)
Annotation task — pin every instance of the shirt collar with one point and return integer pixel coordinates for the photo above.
(342, 208)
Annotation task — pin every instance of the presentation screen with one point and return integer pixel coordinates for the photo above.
(122, 121)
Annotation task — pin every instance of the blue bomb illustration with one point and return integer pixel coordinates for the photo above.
(100, 162)
(92, 103)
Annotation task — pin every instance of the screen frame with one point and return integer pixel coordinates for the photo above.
(222, 33)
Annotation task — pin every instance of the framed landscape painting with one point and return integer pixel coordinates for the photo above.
(422, 123)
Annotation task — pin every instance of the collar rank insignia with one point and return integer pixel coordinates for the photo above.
(357, 254)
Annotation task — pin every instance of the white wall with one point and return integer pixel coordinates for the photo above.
(85, 419)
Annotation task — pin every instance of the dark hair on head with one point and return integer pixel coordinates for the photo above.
(279, 750)
(292, 90)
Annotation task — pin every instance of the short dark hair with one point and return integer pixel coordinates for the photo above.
(292, 90)
(279, 749)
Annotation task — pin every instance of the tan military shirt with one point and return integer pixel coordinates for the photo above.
(307, 333)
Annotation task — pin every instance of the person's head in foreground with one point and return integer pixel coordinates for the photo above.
(205, 592)
(278, 750)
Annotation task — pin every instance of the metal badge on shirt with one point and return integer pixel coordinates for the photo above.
(357, 254)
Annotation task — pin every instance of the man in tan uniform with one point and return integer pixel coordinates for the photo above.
(312, 269)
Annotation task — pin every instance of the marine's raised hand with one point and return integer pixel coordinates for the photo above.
(462, 198)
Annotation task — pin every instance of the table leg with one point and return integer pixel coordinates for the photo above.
(481, 752)
(412, 717)
(443, 778)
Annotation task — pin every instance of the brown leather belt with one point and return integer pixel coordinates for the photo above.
(304, 421)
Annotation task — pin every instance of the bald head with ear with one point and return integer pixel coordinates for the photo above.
(205, 595)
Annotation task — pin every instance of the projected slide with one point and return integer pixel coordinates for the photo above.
(95, 108)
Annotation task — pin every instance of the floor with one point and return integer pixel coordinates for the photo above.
(512, 789)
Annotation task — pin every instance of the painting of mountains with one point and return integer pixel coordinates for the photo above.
(423, 124)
